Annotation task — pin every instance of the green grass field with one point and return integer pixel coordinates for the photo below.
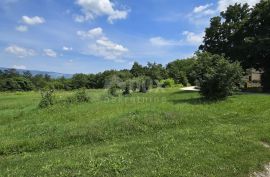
(161, 133)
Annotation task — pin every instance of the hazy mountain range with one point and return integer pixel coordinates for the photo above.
(35, 72)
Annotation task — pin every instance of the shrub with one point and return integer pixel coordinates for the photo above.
(167, 83)
(144, 84)
(16, 84)
(81, 96)
(47, 99)
(134, 85)
(216, 76)
(113, 90)
(127, 87)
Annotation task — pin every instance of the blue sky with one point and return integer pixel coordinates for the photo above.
(89, 36)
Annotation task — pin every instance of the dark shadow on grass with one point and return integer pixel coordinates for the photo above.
(192, 100)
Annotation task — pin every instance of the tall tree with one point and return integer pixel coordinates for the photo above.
(179, 71)
(137, 70)
(258, 40)
(242, 34)
(156, 71)
(226, 35)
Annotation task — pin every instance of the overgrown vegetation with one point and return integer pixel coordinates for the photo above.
(47, 98)
(161, 133)
(217, 77)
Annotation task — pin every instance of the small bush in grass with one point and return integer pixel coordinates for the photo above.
(168, 83)
(47, 99)
(134, 85)
(113, 90)
(217, 77)
(145, 83)
(79, 97)
(126, 88)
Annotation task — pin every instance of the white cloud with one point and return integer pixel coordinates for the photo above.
(192, 38)
(95, 8)
(201, 14)
(19, 67)
(201, 8)
(50, 53)
(102, 46)
(20, 51)
(92, 33)
(159, 41)
(33, 20)
(223, 4)
(109, 50)
(67, 48)
(22, 28)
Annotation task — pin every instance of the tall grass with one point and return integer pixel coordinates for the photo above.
(165, 132)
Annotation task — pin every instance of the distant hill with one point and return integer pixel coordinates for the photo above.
(35, 72)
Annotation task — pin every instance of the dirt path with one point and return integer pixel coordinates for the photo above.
(192, 88)
(266, 172)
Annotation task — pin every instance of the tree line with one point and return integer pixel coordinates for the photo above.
(178, 70)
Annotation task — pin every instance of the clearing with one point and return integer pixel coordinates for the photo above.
(165, 132)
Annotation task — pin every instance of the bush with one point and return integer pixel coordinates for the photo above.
(113, 90)
(127, 87)
(134, 85)
(47, 99)
(216, 76)
(79, 97)
(167, 83)
(144, 84)
(16, 84)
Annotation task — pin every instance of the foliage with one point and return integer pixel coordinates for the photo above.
(16, 84)
(144, 84)
(180, 71)
(113, 90)
(155, 72)
(167, 83)
(47, 99)
(217, 77)
(242, 34)
(258, 40)
(137, 70)
(81, 96)
(127, 87)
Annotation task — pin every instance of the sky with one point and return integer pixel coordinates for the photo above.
(90, 36)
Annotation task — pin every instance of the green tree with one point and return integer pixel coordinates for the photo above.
(137, 70)
(258, 40)
(180, 71)
(79, 81)
(156, 71)
(217, 77)
(226, 36)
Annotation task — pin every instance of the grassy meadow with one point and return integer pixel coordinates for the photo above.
(165, 132)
